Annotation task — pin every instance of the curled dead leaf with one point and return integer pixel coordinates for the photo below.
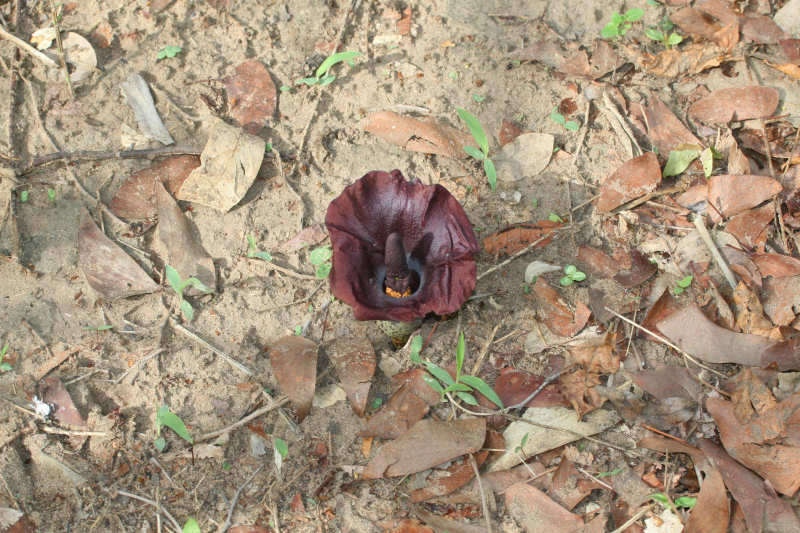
(415, 135)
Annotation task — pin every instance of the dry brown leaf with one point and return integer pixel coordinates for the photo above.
(776, 265)
(694, 333)
(252, 96)
(404, 408)
(415, 135)
(404, 24)
(665, 130)
(735, 103)
(598, 358)
(781, 298)
(108, 269)
(640, 271)
(692, 59)
(514, 238)
(307, 236)
(294, 363)
(596, 262)
(763, 30)
(52, 391)
(633, 179)
(790, 69)
(355, 362)
(750, 314)
(513, 386)
(538, 513)
(452, 478)
(668, 382)
(569, 486)
(555, 313)
(509, 130)
(750, 228)
(427, 444)
(730, 195)
(135, 200)
(578, 387)
(784, 355)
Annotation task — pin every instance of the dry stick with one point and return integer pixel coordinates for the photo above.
(594, 478)
(229, 521)
(700, 224)
(148, 501)
(139, 364)
(283, 400)
(668, 343)
(102, 155)
(484, 504)
(55, 147)
(25, 47)
(58, 431)
(195, 337)
(60, 46)
(485, 349)
(531, 246)
(284, 270)
(632, 520)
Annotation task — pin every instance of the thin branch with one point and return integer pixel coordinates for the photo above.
(484, 504)
(173, 522)
(229, 521)
(60, 45)
(25, 47)
(255, 414)
(195, 337)
(102, 155)
(700, 223)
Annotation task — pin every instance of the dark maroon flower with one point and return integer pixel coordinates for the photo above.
(400, 249)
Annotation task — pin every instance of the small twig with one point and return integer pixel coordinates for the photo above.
(300, 301)
(700, 224)
(102, 155)
(477, 366)
(283, 400)
(484, 504)
(164, 471)
(283, 270)
(25, 47)
(59, 431)
(139, 364)
(632, 520)
(195, 337)
(60, 46)
(668, 343)
(173, 522)
(229, 521)
(594, 478)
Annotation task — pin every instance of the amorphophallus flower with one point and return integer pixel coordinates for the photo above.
(401, 249)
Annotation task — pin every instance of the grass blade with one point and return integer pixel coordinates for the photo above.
(475, 129)
(481, 386)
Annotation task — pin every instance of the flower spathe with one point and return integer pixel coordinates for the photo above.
(382, 217)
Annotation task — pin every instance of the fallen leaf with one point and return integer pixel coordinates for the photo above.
(742, 265)
(307, 236)
(294, 363)
(252, 96)
(596, 262)
(790, 69)
(735, 103)
(555, 313)
(595, 357)
(452, 478)
(138, 97)
(355, 363)
(414, 135)
(404, 408)
(228, 166)
(547, 51)
(108, 269)
(524, 157)
(781, 297)
(750, 313)
(509, 130)
(538, 513)
(694, 333)
(427, 444)
(762, 30)
(776, 265)
(440, 523)
(676, 63)
(731, 195)
(668, 382)
(13, 521)
(404, 24)
(513, 386)
(665, 131)
(632, 180)
(640, 271)
(184, 251)
(135, 199)
(784, 355)
(750, 227)
(52, 391)
(79, 55)
(579, 387)
(514, 238)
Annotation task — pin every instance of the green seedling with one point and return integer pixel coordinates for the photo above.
(478, 98)
(281, 450)
(571, 275)
(168, 52)
(4, 366)
(416, 348)
(686, 502)
(252, 251)
(552, 217)
(104, 327)
(321, 76)
(23, 196)
(526, 287)
(682, 284)
(298, 330)
(522, 443)
(191, 526)
(480, 137)
(284, 88)
(321, 259)
(166, 418)
(376, 403)
(463, 386)
(557, 117)
(610, 473)
(179, 285)
(51, 194)
(621, 23)
(667, 39)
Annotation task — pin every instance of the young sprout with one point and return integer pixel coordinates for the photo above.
(179, 285)
(321, 258)
(480, 137)
(621, 23)
(571, 275)
(682, 284)
(166, 418)
(321, 76)
(168, 52)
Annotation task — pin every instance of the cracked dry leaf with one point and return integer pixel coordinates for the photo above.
(294, 363)
(355, 363)
(427, 136)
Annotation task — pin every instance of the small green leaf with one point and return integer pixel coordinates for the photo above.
(632, 15)
(285, 88)
(467, 397)
(5, 367)
(376, 403)
(307, 81)
(459, 355)
(280, 446)
(609, 31)
(457, 387)
(167, 418)
(554, 218)
(187, 310)
(168, 51)
(660, 497)
(557, 117)
(51, 194)
(686, 502)
(481, 386)
(474, 152)
(679, 160)
(611, 473)
(416, 348)
(326, 80)
(707, 159)
(654, 34)
(435, 385)
(685, 282)
(578, 276)
(475, 129)
(323, 270)
(453, 75)
(674, 39)
(298, 330)
(570, 269)
(266, 256)
(571, 125)
(320, 255)
(160, 443)
(23, 196)
(333, 59)
(226, 466)
(440, 373)
(478, 98)
(566, 281)
(251, 246)
(652, 3)
(191, 526)
(174, 279)
(197, 284)
(491, 172)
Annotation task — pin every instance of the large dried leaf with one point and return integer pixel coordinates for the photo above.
(711, 513)
(750, 227)
(414, 135)
(355, 363)
(781, 298)
(640, 271)
(784, 355)
(668, 382)
(665, 130)
(632, 180)
(228, 166)
(108, 269)
(294, 363)
(427, 444)
(691, 59)
(517, 237)
(597, 263)
(735, 103)
(694, 333)
(136, 200)
(410, 402)
(762, 30)
(555, 313)
(776, 265)
(538, 513)
(251, 95)
(731, 195)
(452, 478)
(513, 386)
(525, 157)
(307, 236)
(184, 251)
